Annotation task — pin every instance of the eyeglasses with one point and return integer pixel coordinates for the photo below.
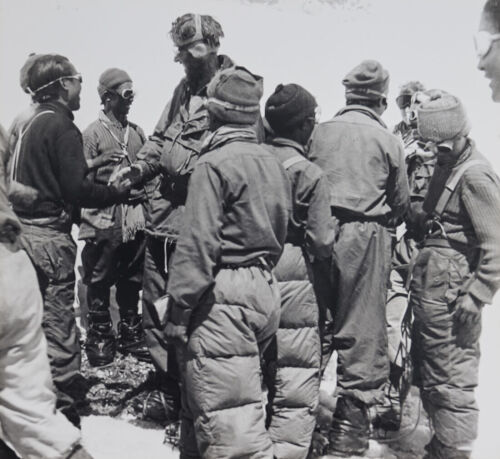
(483, 41)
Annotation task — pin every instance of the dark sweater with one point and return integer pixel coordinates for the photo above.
(51, 161)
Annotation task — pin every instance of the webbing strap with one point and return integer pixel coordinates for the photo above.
(452, 183)
(17, 148)
(288, 163)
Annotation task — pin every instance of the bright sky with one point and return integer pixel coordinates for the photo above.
(310, 42)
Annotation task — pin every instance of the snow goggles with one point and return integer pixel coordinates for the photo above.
(403, 101)
(125, 93)
(483, 41)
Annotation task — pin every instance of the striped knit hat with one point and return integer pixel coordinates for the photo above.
(442, 118)
(234, 94)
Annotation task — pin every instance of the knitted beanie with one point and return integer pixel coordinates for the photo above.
(288, 106)
(234, 94)
(367, 81)
(442, 118)
(111, 79)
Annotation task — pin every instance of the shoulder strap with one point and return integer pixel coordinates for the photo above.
(288, 163)
(451, 185)
(17, 148)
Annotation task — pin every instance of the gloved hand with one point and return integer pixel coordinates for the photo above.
(467, 320)
(176, 332)
(128, 176)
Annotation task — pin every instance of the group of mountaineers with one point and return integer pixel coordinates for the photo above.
(261, 245)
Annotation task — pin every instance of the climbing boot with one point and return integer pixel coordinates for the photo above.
(131, 339)
(350, 428)
(101, 344)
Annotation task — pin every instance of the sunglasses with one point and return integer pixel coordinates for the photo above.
(483, 41)
(77, 76)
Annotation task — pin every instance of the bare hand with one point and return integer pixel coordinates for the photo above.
(467, 321)
(106, 158)
(176, 332)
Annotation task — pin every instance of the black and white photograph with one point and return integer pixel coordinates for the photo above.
(260, 229)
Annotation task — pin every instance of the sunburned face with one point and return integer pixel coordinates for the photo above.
(488, 48)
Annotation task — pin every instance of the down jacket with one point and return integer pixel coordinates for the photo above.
(293, 359)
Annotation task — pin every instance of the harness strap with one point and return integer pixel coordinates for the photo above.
(17, 149)
(451, 185)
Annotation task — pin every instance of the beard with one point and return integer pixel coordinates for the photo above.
(200, 71)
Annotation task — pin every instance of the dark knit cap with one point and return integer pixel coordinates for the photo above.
(234, 94)
(111, 79)
(288, 106)
(442, 118)
(367, 81)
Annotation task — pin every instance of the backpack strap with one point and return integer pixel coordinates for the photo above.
(451, 185)
(288, 163)
(17, 148)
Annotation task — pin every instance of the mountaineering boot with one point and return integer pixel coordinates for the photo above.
(131, 338)
(350, 428)
(101, 344)
(438, 450)
(161, 407)
(163, 404)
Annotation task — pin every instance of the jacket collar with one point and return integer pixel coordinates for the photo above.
(110, 119)
(57, 107)
(362, 109)
(229, 133)
(282, 142)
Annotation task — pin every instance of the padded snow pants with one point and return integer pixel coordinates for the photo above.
(446, 373)
(222, 410)
(292, 360)
(27, 402)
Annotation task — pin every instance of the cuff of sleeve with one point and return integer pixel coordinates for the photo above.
(481, 292)
(179, 315)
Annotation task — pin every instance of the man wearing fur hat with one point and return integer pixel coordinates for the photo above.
(225, 299)
(368, 185)
(114, 240)
(293, 359)
(168, 157)
(457, 271)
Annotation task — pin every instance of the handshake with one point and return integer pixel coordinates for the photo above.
(126, 178)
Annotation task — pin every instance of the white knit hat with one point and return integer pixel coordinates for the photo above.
(442, 118)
